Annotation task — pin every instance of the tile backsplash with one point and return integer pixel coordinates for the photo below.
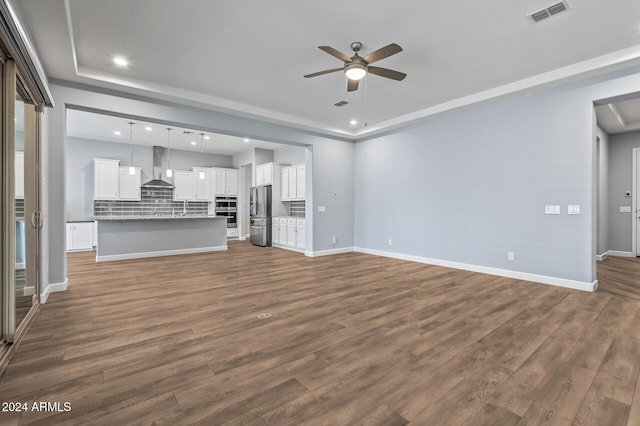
(19, 208)
(155, 201)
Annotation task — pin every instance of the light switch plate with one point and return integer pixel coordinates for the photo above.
(551, 209)
(573, 209)
(625, 209)
(322, 209)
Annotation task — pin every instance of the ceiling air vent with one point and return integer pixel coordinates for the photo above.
(341, 103)
(549, 11)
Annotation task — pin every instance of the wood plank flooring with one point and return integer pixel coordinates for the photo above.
(353, 339)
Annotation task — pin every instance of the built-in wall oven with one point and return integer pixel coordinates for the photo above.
(228, 206)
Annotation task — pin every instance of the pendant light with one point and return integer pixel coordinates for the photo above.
(201, 174)
(169, 171)
(132, 169)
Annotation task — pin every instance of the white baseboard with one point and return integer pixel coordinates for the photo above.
(620, 253)
(603, 256)
(20, 265)
(112, 257)
(29, 291)
(329, 252)
(543, 279)
(288, 248)
(53, 288)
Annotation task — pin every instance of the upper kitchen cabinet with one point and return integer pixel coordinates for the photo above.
(301, 182)
(129, 185)
(19, 172)
(183, 186)
(225, 181)
(106, 179)
(264, 174)
(202, 184)
(293, 183)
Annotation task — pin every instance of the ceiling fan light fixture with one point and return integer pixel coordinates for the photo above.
(355, 71)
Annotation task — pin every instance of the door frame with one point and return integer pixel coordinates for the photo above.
(634, 204)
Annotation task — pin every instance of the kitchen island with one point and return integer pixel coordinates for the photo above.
(133, 237)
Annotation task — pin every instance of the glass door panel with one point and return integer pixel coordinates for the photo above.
(21, 202)
(23, 292)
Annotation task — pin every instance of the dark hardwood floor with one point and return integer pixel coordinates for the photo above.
(620, 276)
(353, 339)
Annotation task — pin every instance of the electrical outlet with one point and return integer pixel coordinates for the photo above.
(390, 242)
(511, 256)
(334, 240)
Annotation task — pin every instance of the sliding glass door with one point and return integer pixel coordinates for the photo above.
(22, 219)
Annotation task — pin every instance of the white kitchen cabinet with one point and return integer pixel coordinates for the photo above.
(301, 180)
(300, 234)
(264, 174)
(282, 231)
(183, 185)
(19, 174)
(291, 232)
(225, 182)
(284, 184)
(128, 184)
(106, 179)
(220, 181)
(275, 230)
(293, 182)
(79, 236)
(202, 187)
(232, 182)
(268, 173)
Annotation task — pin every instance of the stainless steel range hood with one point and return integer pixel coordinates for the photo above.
(160, 163)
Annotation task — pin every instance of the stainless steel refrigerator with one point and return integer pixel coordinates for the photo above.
(260, 215)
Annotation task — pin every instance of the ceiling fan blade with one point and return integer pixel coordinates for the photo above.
(383, 52)
(352, 85)
(386, 72)
(333, 52)
(315, 74)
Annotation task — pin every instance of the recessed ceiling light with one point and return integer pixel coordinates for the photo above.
(353, 122)
(117, 133)
(120, 61)
(193, 142)
(246, 140)
(207, 138)
(148, 129)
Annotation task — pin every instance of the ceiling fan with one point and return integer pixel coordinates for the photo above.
(356, 67)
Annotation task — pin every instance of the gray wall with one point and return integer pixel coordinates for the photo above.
(332, 160)
(620, 180)
(263, 156)
(81, 152)
(471, 185)
(603, 192)
(289, 155)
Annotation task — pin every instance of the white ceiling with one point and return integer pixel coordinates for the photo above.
(249, 56)
(619, 117)
(87, 125)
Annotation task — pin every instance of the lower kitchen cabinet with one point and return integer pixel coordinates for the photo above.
(275, 230)
(80, 236)
(289, 232)
(282, 236)
(300, 234)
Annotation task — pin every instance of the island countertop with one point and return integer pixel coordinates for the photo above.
(131, 237)
(158, 217)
